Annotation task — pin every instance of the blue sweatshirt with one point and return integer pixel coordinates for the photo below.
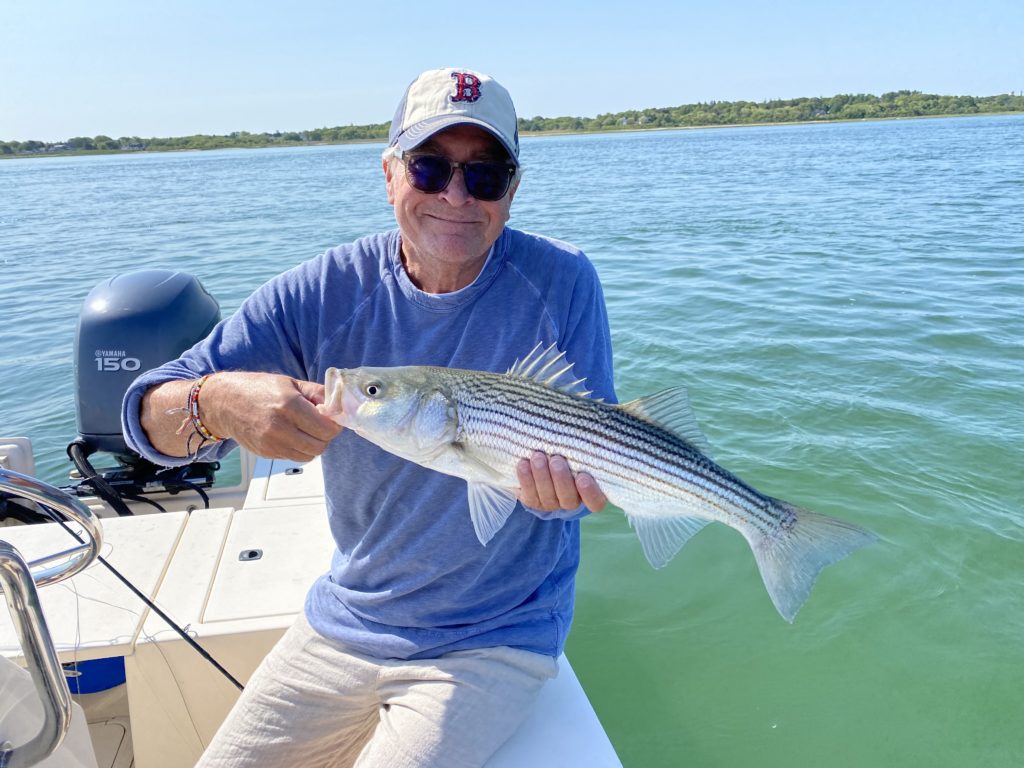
(409, 579)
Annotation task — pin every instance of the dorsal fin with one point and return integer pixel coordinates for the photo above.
(548, 366)
(671, 410)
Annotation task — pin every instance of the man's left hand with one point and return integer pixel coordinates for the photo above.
(546, 484)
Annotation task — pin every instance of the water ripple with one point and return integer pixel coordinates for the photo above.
(844, 304)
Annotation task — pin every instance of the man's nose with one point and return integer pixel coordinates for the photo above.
(456, 193)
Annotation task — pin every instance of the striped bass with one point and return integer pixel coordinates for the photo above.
(648, 457)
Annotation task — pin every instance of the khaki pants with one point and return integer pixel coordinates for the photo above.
(312, 703)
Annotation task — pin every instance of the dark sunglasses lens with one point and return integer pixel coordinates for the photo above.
(429, 173)
(486, 180)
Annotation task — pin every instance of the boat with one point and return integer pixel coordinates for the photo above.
(136, 623)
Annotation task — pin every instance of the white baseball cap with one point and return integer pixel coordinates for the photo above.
(441, 98)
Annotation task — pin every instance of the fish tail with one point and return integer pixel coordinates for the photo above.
(791, 557)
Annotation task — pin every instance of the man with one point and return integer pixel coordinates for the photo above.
(420, 647)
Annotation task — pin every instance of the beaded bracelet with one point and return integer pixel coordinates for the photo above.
(191, 411)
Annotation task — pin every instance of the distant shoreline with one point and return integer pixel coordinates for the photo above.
(523, 134)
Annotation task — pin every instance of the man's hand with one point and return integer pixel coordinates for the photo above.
(547, 485)
(272, 416)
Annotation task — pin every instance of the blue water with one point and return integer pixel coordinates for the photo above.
(845, 303)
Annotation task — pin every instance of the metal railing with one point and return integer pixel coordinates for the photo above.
(19, 581)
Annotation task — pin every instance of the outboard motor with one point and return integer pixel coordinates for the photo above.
(130, 324)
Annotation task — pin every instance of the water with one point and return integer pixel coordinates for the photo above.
(846, 304)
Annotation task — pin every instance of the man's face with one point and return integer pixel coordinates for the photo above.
(449, 230)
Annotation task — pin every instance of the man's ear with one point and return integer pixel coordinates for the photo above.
(389, 178)
(512, 189)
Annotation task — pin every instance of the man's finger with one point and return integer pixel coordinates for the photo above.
(590, 492)
(312, 391)
(564, 483)
(307, 445)
(308, 417)
(542, 478)
(317, 425)
(527, 487)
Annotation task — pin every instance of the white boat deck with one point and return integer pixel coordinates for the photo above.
(201, 569)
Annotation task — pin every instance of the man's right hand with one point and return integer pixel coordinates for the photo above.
(271, 415)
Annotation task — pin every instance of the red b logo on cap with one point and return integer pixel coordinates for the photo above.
(467, 87)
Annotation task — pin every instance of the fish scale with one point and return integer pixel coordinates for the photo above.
(507, 419)
(648, 457)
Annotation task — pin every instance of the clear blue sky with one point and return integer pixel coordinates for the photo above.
(88, 67)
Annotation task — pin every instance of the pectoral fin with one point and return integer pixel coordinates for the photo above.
(489, 508)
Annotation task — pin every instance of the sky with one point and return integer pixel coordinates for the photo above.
(90, 67)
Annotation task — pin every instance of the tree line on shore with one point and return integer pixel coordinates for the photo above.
(713, 113)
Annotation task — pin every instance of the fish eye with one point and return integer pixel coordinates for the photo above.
(373, 389)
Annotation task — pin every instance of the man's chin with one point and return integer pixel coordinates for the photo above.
(458, 246)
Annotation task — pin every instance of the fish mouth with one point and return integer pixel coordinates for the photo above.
(349, 408)
(335, 396)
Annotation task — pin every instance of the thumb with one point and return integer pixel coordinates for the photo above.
(311, 391)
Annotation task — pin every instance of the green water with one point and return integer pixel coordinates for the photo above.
(846, 305)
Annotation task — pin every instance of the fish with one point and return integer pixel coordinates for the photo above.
(648, 456)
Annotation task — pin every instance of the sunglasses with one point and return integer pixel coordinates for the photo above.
(486, 180)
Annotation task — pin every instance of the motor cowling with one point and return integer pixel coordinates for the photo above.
(130, 324)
